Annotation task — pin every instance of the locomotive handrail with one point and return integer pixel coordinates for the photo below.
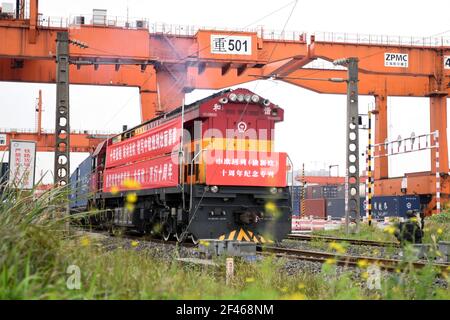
(191, 171)
(292, 182)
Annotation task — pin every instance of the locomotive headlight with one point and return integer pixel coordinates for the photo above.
(266, 102)
(255, 98)
(223, 100)
(274, 112)
(214, 189)
(248, 98)
(240, 97)
(232, 96)
(273, 190)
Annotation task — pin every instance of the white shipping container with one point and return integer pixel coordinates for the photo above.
(99, 16)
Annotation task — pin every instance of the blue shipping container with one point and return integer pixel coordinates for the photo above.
(394, 206)
(383, 206)
(335, 207)
(80, 182)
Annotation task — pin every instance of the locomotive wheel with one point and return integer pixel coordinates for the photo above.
(194, 239)
(166, 232)
(179, 237)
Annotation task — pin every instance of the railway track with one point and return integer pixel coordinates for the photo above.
(130, 235)
(298, 254)
(344, 260)
(360, 242)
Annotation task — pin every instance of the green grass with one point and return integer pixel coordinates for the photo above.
(437, 227)
(366, 232)
(36, 250)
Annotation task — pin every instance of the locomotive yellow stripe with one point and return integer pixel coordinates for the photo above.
(242, 236)
(231, 236)
(234, 144)
(222, 237)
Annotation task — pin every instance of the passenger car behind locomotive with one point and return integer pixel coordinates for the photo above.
(206, 170)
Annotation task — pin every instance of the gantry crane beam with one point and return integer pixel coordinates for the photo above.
(80, 142)
(160, 65)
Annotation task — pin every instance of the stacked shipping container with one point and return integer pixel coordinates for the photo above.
(322, 201)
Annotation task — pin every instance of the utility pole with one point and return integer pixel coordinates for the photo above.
(39, 114)
(352, 200)
(62, 123)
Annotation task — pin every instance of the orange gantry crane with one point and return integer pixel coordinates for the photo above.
(166, 61)
(81, 141)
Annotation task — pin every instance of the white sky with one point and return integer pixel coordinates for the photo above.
(314, 128)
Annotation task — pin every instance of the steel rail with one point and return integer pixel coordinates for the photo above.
(374, 243)
(346, 260)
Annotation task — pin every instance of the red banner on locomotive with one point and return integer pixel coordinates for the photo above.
(248, 169)
(155, 141)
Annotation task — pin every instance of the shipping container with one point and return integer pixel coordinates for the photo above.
(394, 206)
(325, 191)
(80, 184)
(296, 198)
(4, 167)
(383, 206)
(315, 208)
(336, 208)
(330, 191)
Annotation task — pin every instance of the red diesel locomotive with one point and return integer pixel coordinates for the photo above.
(205, 171)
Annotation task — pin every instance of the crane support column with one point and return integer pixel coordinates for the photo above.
(381, 168)
(438, 121)
(62, 133)
(352, 200)
(149, 104)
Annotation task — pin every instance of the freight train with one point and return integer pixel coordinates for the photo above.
(206, 170)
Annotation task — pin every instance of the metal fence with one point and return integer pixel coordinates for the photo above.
(52, 131)
(381, 39)
(75, 21)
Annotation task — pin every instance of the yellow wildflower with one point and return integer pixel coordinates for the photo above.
(251, 279)
(114, 190)
(270, 206)
(398, 270)
(204, 243)
(131, 184)
(362, 263)
(390, 229)
(131, 197)
(85, 241)
(365, 275)
(337, 246)
(295, 296)
(134, 243)
(301, 286)
(129, 207)
(330, 261)
(440, 231)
